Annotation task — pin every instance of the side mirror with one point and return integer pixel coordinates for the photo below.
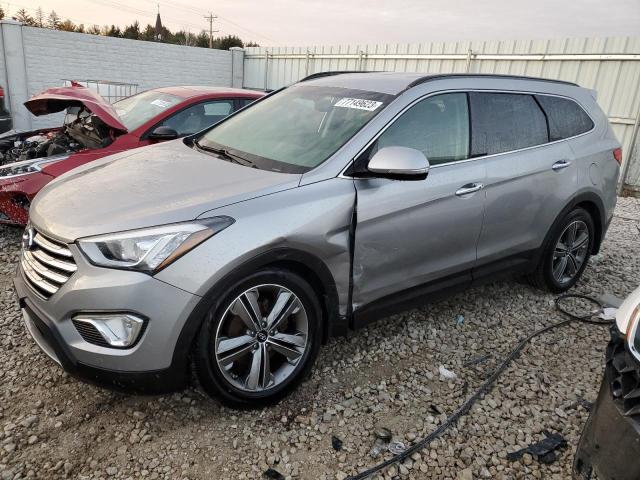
(400, 163)
(163, 133)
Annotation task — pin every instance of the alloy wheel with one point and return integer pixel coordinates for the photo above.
(261, 338)
(570, 251)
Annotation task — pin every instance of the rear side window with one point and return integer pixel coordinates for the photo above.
(566, 118)
(501, 122)
(437, 126)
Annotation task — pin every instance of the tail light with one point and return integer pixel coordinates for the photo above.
(617, 154)
(1, 92)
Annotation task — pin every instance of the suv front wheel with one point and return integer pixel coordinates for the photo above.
(566, 254)
(261, 341)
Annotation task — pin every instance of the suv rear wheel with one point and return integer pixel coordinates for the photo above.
(566, 254)
(261, 341)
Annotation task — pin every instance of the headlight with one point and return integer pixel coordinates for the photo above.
(151, 249)
(27, 166)
(633, 332)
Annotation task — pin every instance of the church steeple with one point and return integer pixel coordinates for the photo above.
(158, 30)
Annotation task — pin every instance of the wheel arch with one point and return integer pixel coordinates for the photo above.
(590, 202)
(303, 263)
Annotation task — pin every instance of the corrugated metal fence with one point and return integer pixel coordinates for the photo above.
(609, 65)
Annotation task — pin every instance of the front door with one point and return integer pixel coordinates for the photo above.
(412, 233)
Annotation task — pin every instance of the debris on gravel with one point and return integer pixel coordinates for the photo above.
(385, 376)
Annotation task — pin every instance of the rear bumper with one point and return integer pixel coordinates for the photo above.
(610, 442)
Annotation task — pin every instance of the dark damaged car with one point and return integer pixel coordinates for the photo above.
(93, 129)
(610, 443)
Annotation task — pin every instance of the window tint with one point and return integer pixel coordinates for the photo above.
(501, 122)
(437, 126)
(566, 118)
(198, 117)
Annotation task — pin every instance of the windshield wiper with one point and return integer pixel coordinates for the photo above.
(225, 154)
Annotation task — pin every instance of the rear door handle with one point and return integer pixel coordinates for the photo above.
(469, 188)
(560, 164)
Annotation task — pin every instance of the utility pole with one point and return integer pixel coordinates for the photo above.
(211, 17)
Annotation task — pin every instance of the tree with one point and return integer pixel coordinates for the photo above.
(67, 26)
(54, 20)
(202, 40)
(23, 16)
(94, 30)
(148, 33)
(183, 37)
(39, 18)
(225, 43)
(1, 13)
(252, 44)
(113, 31)
(80, 28)
(132, 31)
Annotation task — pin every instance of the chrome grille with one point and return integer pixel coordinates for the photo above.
(46, 263)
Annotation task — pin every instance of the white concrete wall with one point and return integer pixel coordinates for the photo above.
(36, 58)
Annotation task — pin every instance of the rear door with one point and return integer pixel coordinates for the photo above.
(529, 178)
(412, 233)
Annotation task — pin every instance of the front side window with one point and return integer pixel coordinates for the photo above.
(139, 109)
(566, 118)
(437, 126)
(502, 122)
(199, 116)
(295, 130)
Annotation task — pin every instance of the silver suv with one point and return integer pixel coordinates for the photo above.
(342, 198)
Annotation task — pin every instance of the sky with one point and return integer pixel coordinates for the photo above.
(334, 22)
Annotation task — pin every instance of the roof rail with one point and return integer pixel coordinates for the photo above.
(428, 78)
(313, 76)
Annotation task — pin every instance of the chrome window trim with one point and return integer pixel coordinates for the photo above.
(467, 90)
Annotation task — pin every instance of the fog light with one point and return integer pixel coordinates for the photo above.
(119, 330)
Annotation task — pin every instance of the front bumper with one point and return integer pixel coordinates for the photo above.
(157, 362)
(16, 194)
(610, 442)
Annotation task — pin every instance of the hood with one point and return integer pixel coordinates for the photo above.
(164, 183)
(57, 99)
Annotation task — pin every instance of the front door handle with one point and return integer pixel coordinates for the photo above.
(560, 164)
(469, 188)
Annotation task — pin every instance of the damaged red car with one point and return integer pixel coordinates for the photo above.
(94, 128)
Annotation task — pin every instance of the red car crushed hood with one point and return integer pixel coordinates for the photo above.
(57, 99)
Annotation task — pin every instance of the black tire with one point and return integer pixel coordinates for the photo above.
(543, 277)
(209, 373)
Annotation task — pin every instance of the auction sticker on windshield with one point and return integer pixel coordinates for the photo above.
(358, 103)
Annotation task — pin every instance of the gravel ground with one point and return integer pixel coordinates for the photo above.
(53, 426)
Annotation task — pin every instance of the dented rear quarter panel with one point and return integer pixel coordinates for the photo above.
(313, 219)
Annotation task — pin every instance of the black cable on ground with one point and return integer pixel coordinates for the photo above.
(487, 385)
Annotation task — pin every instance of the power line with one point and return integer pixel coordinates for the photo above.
(76, 20)
(203, 12)
(137, 11)
(211, 17)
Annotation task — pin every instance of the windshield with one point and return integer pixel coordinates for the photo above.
(139, 109)
(297, 129)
